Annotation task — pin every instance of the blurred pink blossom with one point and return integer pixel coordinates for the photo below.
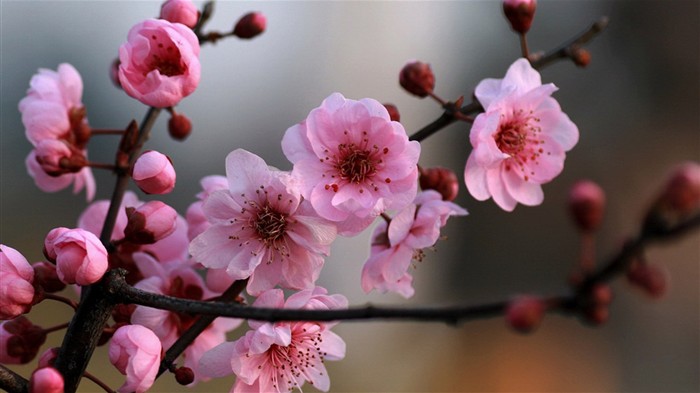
(46, 380)
(150, 222)
(135, 351)
(154, 173)
(180, 11)
(520, 141)
(352, 162)
(80, 256)
(16, 289)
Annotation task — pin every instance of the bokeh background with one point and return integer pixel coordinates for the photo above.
(637, 107)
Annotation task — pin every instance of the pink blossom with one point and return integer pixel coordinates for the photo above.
(352, 162)
(16, 289)
(196, 220)
(46, 380)
(183, 282)
(159, 63)
(150, 222)
(20, 340)
(47, 183)
(393, 248)
(80, 256)
(519, 142)
(154, 173)
(180, 11)
(262, 229)
(135, 351)
(278, 357)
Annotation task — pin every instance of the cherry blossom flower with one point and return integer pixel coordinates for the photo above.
(520, 141)
(352, 162)
(16, 289)
(159, 63)
(278, 357)
(80, 256)
(135, 351)
(395, 245)
(54, 119)
(46, 380)
(196, 220)
(183, 282)
(180, 11)
(262, 229)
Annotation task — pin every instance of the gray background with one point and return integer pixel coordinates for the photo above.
(636, 107)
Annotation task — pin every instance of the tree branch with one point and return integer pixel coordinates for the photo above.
(11, 381)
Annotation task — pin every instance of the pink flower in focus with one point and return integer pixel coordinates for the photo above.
(16, 289)
(262, 229)
(393, 248)
(520, 141)
(80, 256)
(278, 357)
(154, 173)
(196, 220)
(46, 380)
(183, 282)
(352, 162)
(135, 352)
(180, 11)
(159, 63)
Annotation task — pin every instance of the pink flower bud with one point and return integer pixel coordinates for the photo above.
(180, 11)
(80, 257)
(46, 380)
(51, 237)
(651, 279)
(179, 126)
(587, 204)
(520, 14)
(601, 294)
(48, 357)
(525, 313)
(135, 351)
(682, 192)
(159, 63)
(20, 340)
(250, 25)
(154, 173)
(417, 78)
(441, 180)
(150, 222)
(393, 112)
(46, 277)
(16, 283)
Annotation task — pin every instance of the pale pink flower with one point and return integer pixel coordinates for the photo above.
(414, 228)
(16, 289)
(154, 173)
(20, 340)
(159, 63)
(46, 380)
(183, 282)
(150, 222)
(352, 162)
(180, 11)
(520, 141)
(262, 229)
(278, 357)
(196, 220)
(80, 256)
(135, 351)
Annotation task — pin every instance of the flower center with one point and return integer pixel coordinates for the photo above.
(167, 67)
(269, 224)
(511, 138)
(355, 165)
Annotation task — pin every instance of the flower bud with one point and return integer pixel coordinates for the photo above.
(597, 314)
(56, 158)
(20, 340)
(180, 11)
(154, 173)
(51, 237)
(601, 294)
(524, 313)
(135, 351)
(417, 78)
(581, 57)
(48, 357)
(80, 257)
(149, 222)
(46, 380)
(587, 204)
(393, 112)
(679, 198)
(179, 126)
(651, 279)
(16, 283)
(520, 14)
(250, 25)
(46, 277)
(441, 180)
(184, 375)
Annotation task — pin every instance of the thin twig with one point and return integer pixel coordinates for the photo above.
(61, 299)
(98, 382)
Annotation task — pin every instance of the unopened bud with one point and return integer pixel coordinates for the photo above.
(525, 313)
(179, 126)
(48, 357)
(417, 78)
(46, 380)
(184, 375)
(46, 278)
(250, 25)
(180, 11)
(679, 198)
(601, 294)
(441, 180)
(520, 14)
(651, 279)
(393, 112)
(149, 222)
(587, 204)
(581, 57)
(154, 173)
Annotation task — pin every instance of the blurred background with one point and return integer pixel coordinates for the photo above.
(637, 107)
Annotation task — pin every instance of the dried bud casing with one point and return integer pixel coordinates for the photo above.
(587, 205)
(417, 78)
(179, 126)
(441, 180)
(250, 25)
(393, 112)
(46, 277)
(149, 222)
(520, 14)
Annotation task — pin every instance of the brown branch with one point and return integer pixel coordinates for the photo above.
(11, 381)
